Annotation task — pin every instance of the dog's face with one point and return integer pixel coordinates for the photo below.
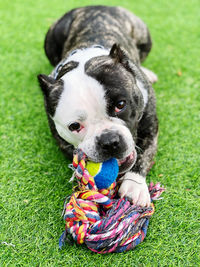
(95, 103)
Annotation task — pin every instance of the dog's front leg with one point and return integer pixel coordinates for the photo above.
(134, 182)
(135, 188)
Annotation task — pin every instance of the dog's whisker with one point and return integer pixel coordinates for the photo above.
(139, 148)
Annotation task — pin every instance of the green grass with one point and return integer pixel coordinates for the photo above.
(33, 172)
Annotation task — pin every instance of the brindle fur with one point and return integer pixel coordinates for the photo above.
(87, 26)
(84, 27)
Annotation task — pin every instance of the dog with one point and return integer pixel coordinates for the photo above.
(98, 97)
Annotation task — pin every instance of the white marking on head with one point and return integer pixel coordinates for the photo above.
(82, 100)
(83, 55)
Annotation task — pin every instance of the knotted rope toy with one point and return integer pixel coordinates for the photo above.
(97, 217)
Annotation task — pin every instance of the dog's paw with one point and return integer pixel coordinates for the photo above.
(153, 78)
(134, 187)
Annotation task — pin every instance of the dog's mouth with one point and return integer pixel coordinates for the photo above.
(127, 163)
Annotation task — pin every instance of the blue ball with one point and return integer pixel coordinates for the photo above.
(104, 173)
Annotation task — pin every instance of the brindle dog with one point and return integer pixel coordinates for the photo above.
(98, 97)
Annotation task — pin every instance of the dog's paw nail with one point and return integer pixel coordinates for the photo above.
(121, 193)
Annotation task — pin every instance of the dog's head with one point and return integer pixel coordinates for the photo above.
(96, 101)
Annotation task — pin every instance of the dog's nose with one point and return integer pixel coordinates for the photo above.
(109, 142)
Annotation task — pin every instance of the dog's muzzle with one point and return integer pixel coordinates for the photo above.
(112, 144)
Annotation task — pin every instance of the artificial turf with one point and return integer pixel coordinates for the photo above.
(34, 173)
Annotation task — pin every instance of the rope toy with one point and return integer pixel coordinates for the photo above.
(97, 217)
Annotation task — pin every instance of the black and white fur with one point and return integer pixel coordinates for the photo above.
(98, 98)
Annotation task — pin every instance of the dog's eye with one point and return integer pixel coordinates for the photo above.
(75, 126)
(120, 106)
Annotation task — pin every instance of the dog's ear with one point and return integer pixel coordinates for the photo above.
(46, 83)
(118, 54)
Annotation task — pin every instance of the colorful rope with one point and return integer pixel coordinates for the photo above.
(101, 221)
